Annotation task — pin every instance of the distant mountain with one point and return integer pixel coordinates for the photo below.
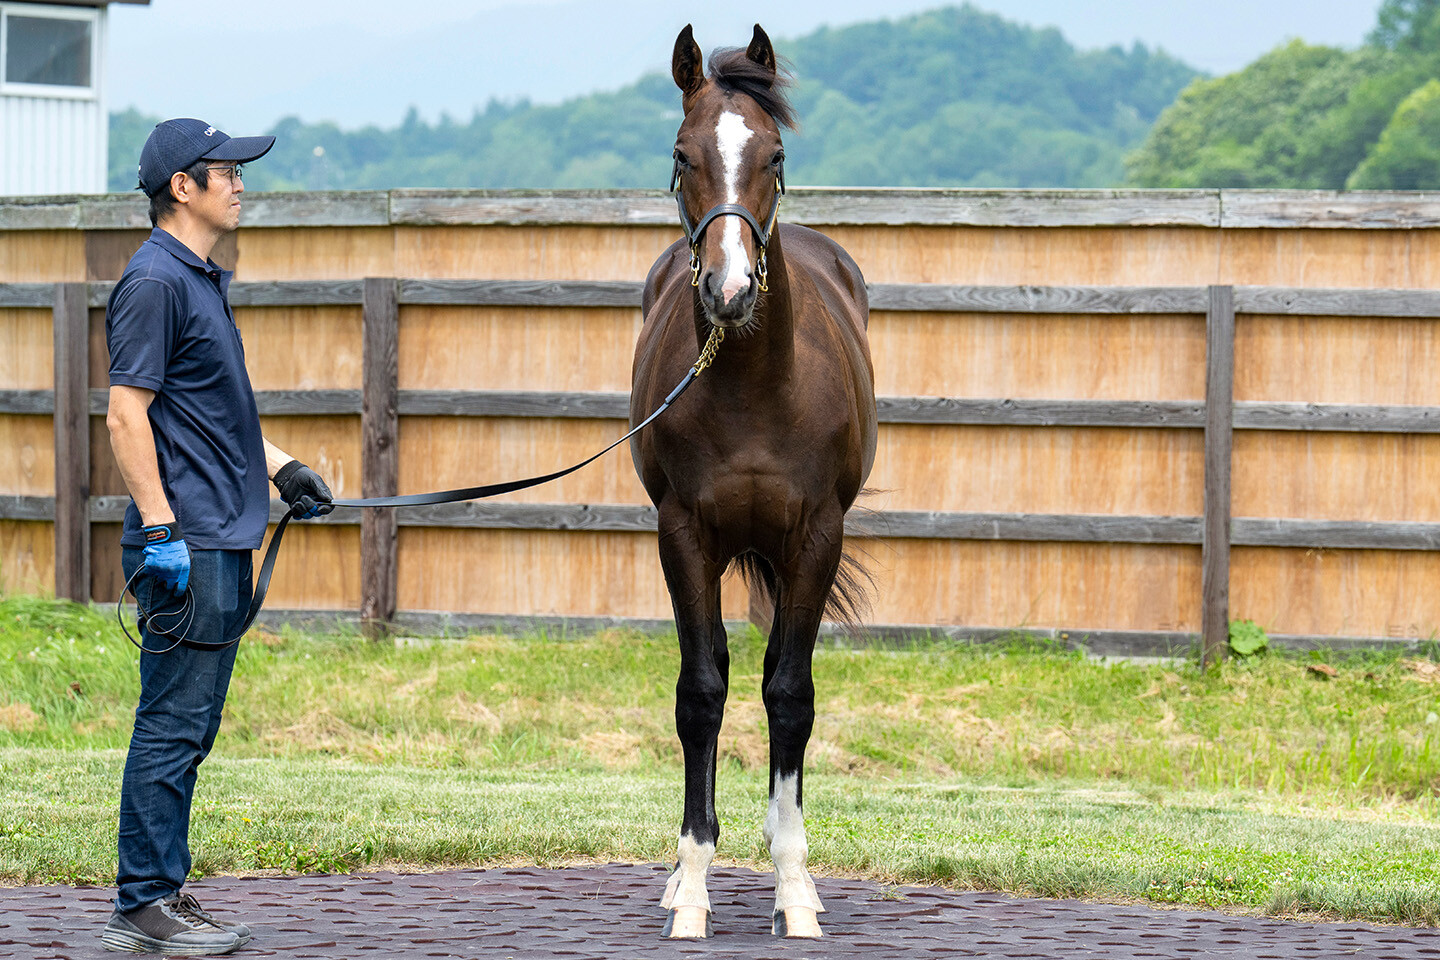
(952, 97)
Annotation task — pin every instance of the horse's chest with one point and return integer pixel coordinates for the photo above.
(752, 509)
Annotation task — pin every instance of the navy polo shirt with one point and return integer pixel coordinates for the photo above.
(170, 329)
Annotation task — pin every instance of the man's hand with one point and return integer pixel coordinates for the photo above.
(167, 557)
(303, 491)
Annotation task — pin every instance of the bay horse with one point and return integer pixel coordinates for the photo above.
(758, 464)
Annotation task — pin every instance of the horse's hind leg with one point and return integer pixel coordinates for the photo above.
(790, 705)
(699, 709)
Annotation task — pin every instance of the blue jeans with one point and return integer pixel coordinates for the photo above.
(181, 696)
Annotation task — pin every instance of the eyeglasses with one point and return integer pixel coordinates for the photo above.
(233, 172)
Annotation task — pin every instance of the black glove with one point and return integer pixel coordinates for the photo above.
(303, 491)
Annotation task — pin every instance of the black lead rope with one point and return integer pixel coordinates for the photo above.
(186, 615)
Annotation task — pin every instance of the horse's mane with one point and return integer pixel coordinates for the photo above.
(734, 72)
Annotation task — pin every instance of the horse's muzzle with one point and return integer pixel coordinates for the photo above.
(734, 312)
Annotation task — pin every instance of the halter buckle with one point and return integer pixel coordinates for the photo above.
(694, 265)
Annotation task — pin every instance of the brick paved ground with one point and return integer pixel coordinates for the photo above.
(613, 911)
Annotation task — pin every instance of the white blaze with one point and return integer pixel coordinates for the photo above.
(731, 135)
(785, 832)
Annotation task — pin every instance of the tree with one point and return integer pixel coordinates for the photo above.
(1407, 25)
(1257, 127)
(1407, 156)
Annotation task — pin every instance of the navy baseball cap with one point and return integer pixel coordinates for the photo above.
(175, 144)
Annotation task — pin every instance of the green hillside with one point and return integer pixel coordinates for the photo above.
(1312, 117)
(952, 97)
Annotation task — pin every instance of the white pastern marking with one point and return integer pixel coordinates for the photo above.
(785, 832)
(686, 887)
(731, 134)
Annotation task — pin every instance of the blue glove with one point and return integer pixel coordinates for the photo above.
(303, 491)
(167, 558)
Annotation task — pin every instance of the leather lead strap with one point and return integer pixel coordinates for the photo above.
(267, 566)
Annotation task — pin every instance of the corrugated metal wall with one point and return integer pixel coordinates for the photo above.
(55, 145)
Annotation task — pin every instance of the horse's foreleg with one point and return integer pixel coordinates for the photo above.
(790, 705)
(699, 709)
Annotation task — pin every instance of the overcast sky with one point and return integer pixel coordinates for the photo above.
(246, 64)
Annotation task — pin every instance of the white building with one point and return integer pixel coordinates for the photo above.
(54, 124)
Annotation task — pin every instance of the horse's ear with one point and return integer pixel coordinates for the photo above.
(760, 50)
(686, 63)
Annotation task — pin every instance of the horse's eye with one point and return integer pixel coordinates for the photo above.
(681, 159)
(778, 159)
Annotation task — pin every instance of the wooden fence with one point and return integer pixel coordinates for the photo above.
(1054, 455)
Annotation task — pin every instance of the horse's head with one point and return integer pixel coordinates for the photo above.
(729, 169)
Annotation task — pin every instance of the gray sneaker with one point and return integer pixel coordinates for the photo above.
(190, 904)
(167, 927)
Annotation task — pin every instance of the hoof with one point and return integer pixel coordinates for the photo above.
(796, 922)
(688, 923)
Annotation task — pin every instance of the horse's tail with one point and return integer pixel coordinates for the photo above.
(850, 596)
(854, 589)
(853, 592)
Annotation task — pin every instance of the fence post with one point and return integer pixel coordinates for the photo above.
(72, 441)
(380, 453)
(1219, 434)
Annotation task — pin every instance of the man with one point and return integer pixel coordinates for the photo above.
(186, 436)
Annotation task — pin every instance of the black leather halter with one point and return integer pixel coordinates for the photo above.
(694, 232)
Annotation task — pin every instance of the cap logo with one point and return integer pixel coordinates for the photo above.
(209, 131)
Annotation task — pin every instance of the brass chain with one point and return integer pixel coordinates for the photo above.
(712, 347)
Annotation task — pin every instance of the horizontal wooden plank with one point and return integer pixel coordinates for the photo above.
(613, 405)
(907, 524)
(1334, 534)
(1338, 417)
(113, 211)
(27, 401)
(1077, 528)
(27, 295)
(1315, 417)
(1003, 208)
(266, 293)
(521, 293)
(1348, 302)
(14, 507)
(1040, 413)
(298, 293)
(822, 206)
(532, 516)
(936, 297)
(39, 213)
(900, 297)
(1361, 209)
(334, 208)
(273, 403)
(827, 206)
(516, 207)
(507, 403)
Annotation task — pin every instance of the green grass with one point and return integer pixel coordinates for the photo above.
(1263, 785)
(1061, 840)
